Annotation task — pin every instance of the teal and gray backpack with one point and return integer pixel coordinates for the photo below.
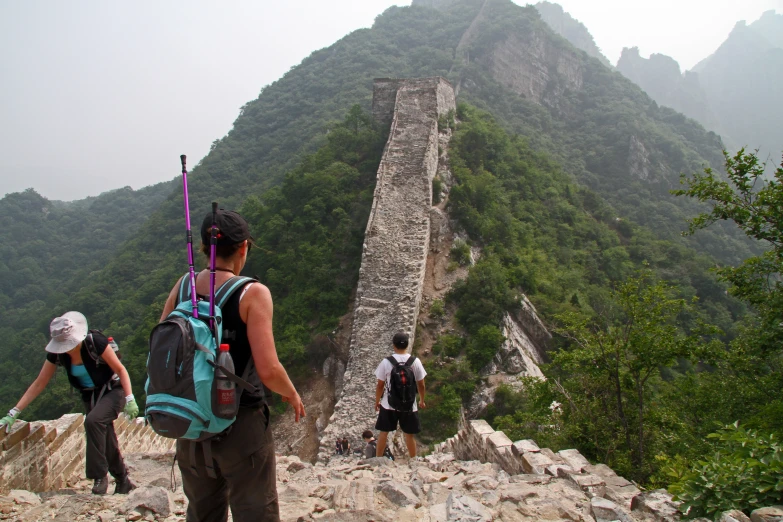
(181, 386)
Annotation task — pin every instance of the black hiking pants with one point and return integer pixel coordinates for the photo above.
(244, 465)
(103, 451)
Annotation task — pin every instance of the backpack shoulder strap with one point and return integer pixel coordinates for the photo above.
(229, 287)
(392, 360)
(184, 289)
(410, 361)
(89, 343)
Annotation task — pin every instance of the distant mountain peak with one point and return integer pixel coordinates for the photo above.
(569, 28)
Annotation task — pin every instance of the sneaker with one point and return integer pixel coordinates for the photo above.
(101, 486)
(124, 486)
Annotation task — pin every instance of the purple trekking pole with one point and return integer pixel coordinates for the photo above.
(212, 248)
(191, 265)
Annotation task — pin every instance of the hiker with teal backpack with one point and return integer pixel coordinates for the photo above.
(211, 357)
(94, 369)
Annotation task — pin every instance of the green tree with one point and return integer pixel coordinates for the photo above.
(755, 205)
(614, 359)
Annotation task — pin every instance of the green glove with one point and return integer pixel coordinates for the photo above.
(131, 408)
(6, 423)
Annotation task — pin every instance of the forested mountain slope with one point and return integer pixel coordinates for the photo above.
(605, 131)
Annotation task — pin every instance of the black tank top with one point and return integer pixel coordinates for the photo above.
(235, 335)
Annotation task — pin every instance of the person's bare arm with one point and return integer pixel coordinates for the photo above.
(420, 387)
(117, 367)
(256, 310)
(379, 394)
(171, 301)
(38, 385)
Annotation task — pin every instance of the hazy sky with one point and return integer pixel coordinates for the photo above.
(97, 95)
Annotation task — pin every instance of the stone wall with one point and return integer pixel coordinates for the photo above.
(478, 441)
(45, 455)
(396, 243)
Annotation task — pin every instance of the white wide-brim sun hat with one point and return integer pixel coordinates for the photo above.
(67, 332)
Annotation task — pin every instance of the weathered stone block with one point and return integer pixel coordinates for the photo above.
(658, 503)
(735, 515)
(535, 463)
(499, 439)
(574, 459)
(399, 494)
(593, 485)
(525, 446)
(19, 432)
(556, 469)
(767, 514)
(155, 499)
(607, 511)
(480, 427)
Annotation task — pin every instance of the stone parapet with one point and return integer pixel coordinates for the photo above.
(45, 455)
(478, 441)
(396, 243)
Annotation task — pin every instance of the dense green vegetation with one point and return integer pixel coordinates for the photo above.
(308, 236)
(572, 256)
(48, 250)
(652, 353)
(310, 230)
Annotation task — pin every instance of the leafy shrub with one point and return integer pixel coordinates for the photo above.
(460, 252)
(437, 190)
(484, 345)
(449, 344)
(745, 472)
(437, 309)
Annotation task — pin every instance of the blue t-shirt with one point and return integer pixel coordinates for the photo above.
(80, 372)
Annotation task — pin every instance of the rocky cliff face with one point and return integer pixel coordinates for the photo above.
(570, 29)
(531, 66)
(661, 78)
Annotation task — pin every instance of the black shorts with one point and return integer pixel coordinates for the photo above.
(388, 419)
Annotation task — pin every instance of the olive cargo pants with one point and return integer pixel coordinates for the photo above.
(244, 465)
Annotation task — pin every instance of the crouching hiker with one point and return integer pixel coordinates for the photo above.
(94, 369)
(370, 445)
(235, 468)
(400, 377)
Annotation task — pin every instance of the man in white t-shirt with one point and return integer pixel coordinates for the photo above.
(389, 417)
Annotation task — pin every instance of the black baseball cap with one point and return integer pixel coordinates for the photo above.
(232, 228)
(400, 340)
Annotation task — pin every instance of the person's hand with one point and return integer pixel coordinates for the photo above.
(6, 423)
(377, 407)
(296, 403)
(131, 408)
(422, 405)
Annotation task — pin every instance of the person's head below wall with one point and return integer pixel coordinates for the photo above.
(367, 435)
(400, 341)
(233, 231)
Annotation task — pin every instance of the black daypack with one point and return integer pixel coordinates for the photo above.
(386, 452)
(89, 343)
(402, 384)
